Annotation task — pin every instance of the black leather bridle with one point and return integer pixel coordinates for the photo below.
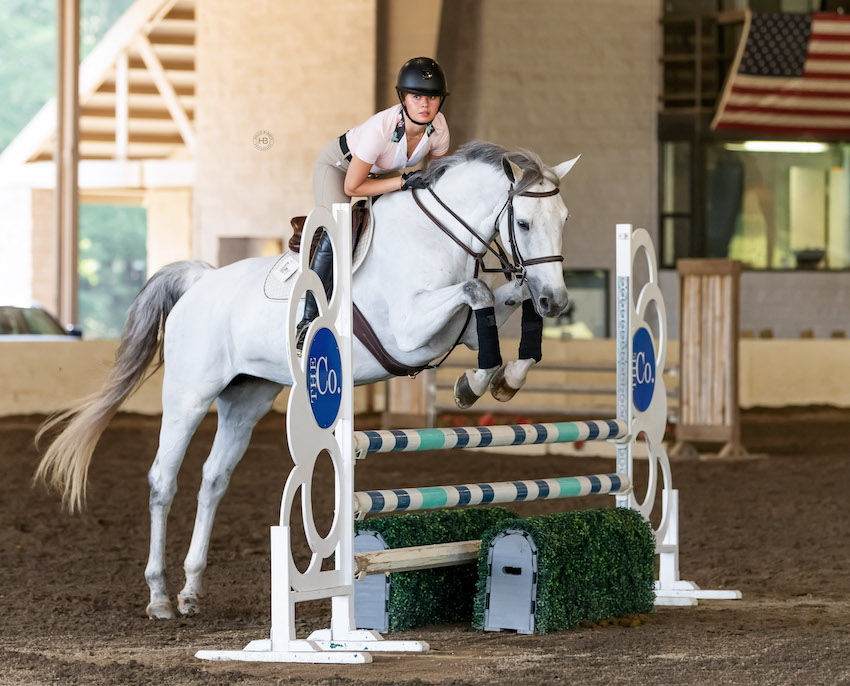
(510, 267)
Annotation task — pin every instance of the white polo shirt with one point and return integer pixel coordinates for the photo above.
(381, 141)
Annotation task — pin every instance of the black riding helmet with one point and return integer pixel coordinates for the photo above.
(422, 76)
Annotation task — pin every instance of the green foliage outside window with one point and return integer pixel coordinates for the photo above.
(112, 266)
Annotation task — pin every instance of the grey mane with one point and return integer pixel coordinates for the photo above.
(489, 153)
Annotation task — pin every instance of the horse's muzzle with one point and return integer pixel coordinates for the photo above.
(551, 304)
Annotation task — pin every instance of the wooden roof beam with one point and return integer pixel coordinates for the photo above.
(167, 91)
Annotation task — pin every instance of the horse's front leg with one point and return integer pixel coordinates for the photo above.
(473, 383)
(427, 317)
(511, 376)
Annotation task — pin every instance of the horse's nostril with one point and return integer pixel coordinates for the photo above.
(544, 303)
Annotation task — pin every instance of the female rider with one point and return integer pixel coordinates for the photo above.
(389, 141)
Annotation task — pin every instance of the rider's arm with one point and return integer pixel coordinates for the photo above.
(357, 181)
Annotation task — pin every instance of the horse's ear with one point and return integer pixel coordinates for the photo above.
(562, 169)
(512, 171)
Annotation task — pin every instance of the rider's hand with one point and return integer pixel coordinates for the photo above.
(413, 179)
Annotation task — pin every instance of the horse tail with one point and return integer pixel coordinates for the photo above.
(65, 464)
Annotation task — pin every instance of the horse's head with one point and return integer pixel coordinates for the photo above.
(539, 214)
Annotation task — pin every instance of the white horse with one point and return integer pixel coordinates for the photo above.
(221, 339)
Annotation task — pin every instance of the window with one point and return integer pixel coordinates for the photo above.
(779, 205)
(770, 204)
(112, 266)
(586, 315)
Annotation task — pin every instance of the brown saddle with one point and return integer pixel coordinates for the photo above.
(359, 222)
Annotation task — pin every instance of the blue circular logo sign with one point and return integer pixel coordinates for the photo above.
(324, 378)
(643, 369)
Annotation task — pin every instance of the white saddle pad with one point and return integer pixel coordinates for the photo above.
(276, 285)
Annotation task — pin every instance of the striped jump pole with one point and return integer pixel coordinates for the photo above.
(437, 497)
(411, 440)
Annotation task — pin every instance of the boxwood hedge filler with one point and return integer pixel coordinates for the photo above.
(529, 575)
(320, 421)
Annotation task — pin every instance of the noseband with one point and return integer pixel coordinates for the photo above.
(515, 267)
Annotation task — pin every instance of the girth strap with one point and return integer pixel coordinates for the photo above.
(366, 335)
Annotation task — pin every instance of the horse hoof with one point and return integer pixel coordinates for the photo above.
(500, 389)
(465, 397)
(160, 609)
(187, 605)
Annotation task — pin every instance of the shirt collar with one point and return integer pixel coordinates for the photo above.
(399, 128)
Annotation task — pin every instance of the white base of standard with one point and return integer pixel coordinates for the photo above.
(685, 593)
(318, 648)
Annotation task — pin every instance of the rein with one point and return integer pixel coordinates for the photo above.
(510, 268)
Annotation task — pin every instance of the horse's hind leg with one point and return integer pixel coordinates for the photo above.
(181, 414)
(240, 406)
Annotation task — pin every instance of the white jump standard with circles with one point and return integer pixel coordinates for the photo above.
(320, 421)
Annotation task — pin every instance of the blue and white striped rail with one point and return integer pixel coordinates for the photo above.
(434, 497)
(409, 440)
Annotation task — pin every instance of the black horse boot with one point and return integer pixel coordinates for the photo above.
(321, 263)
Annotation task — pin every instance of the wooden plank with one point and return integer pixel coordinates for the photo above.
(146, 88)
(415, 558)
(108, 113)
(719, 351)
(135, 137)
(707, 267)
(122, 106)
(705, 341)
(168, 93)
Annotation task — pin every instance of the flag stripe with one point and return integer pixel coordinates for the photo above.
(792, 92)
(829, 58)
(829, 37)
(803, 84)
(826, 75)
(832, 48)
(782, 100)
(811, 112)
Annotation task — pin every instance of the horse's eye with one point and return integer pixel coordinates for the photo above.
(523, 224)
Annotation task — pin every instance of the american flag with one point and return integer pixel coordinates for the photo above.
(791, 76)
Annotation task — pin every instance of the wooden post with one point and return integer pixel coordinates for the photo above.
(66, 200)
(406, 402)
(708, 352)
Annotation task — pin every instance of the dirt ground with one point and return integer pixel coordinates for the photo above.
(73, 594)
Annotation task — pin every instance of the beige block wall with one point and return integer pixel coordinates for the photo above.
(563, 78)
(15, 236)
(41, 378)
(303, 71)
(169, 236)
(781, 372)
(44, 277)
(405, 30)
